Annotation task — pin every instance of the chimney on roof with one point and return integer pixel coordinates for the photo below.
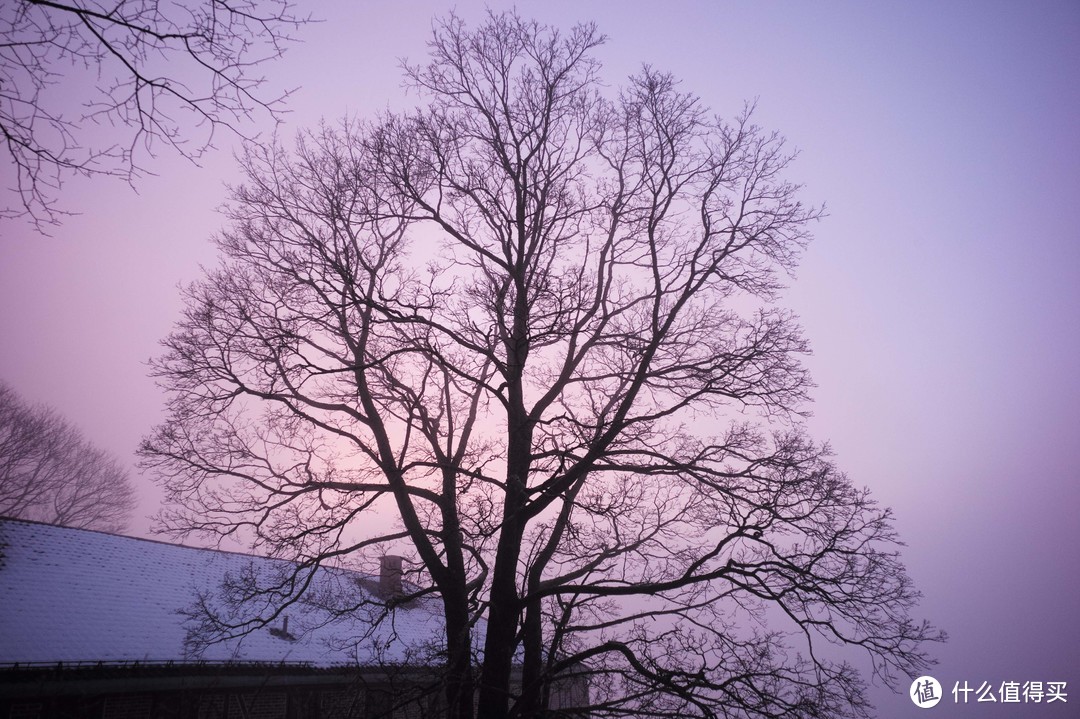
(390, 576)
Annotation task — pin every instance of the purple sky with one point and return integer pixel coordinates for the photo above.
(942, 294)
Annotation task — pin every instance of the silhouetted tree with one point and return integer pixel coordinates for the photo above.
(50, 473)
(170, 73)
(537, 325)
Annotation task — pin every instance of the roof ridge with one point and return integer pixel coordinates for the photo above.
(177, 545)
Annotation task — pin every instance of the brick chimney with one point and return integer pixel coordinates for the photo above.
(390, 576)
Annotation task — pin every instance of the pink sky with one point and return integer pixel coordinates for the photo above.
(941, 296)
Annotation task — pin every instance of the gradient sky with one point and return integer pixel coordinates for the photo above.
(941, 295)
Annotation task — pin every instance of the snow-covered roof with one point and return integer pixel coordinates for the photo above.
(74, 595)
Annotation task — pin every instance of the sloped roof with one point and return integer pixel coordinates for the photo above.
(74, 595)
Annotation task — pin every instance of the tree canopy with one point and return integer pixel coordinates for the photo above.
(168, 74)
(536, 323)
(50, 473)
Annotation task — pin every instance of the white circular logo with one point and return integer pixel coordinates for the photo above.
(925, 692)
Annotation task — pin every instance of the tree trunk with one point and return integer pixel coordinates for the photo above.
(459, 670)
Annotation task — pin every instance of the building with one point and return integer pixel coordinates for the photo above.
(100, 625)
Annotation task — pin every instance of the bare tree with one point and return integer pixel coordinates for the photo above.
(537, 325)
(50, 473)
(168, 73)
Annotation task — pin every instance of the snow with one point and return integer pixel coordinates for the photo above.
(73, 595)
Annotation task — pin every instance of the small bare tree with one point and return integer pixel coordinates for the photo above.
(169, 73)
(50, 473)
(537, 326)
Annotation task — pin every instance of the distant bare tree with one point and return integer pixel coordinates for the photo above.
(168, 73)
(50, 473)
(537, 325)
